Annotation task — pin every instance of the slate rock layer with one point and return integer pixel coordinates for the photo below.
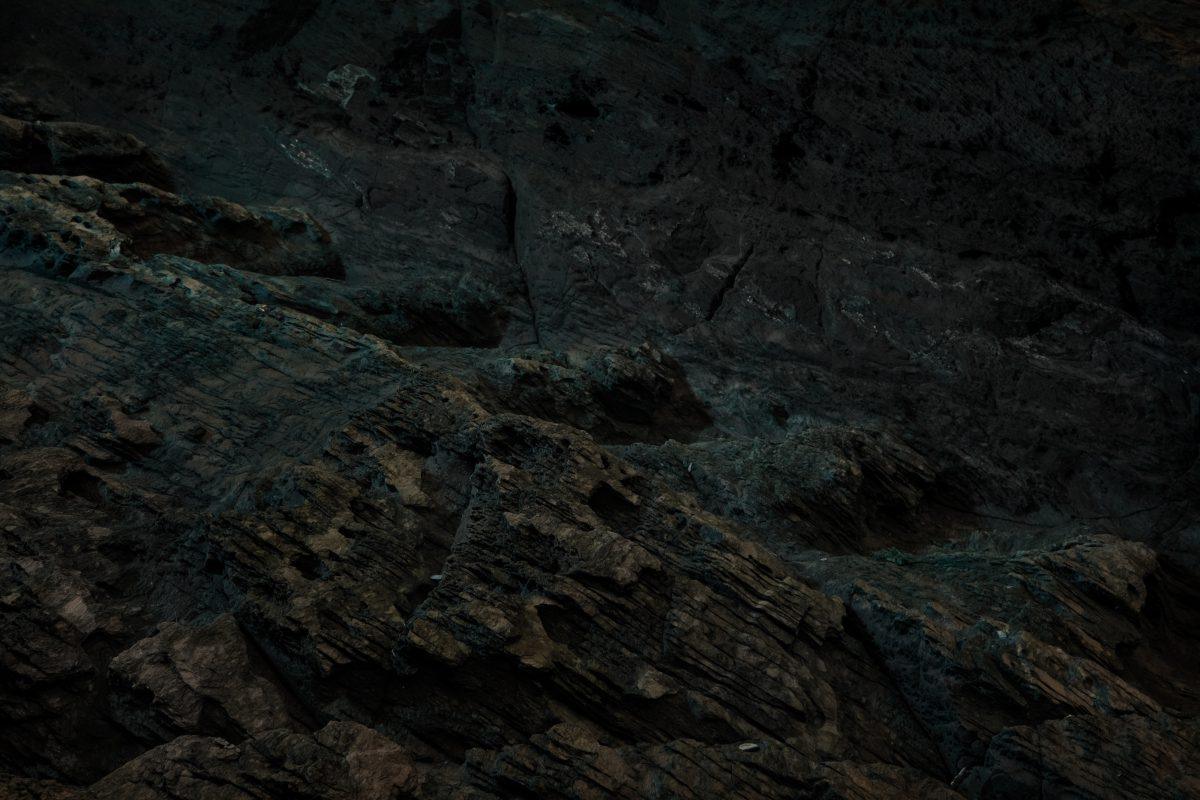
(600, 398)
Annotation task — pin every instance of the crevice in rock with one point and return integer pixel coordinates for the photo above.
(714, 305)
(511, 211)
(856, 628)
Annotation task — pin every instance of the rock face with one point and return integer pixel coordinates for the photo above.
(601, 398)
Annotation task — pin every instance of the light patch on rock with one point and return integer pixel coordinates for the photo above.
(341, 83)
(306, 158)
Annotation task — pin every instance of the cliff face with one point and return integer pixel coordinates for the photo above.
(599, 399)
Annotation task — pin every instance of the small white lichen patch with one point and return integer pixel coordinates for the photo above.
(343, 81)
(306, 158)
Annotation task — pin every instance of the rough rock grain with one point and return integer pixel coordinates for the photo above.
(478, 399)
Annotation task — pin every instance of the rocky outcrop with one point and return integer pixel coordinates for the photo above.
(61, 223)
(207, 679)
(72, 148)
(1088, 757)
(480, 400)
(342, 760)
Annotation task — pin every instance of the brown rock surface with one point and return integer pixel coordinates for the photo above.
(205, 679)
